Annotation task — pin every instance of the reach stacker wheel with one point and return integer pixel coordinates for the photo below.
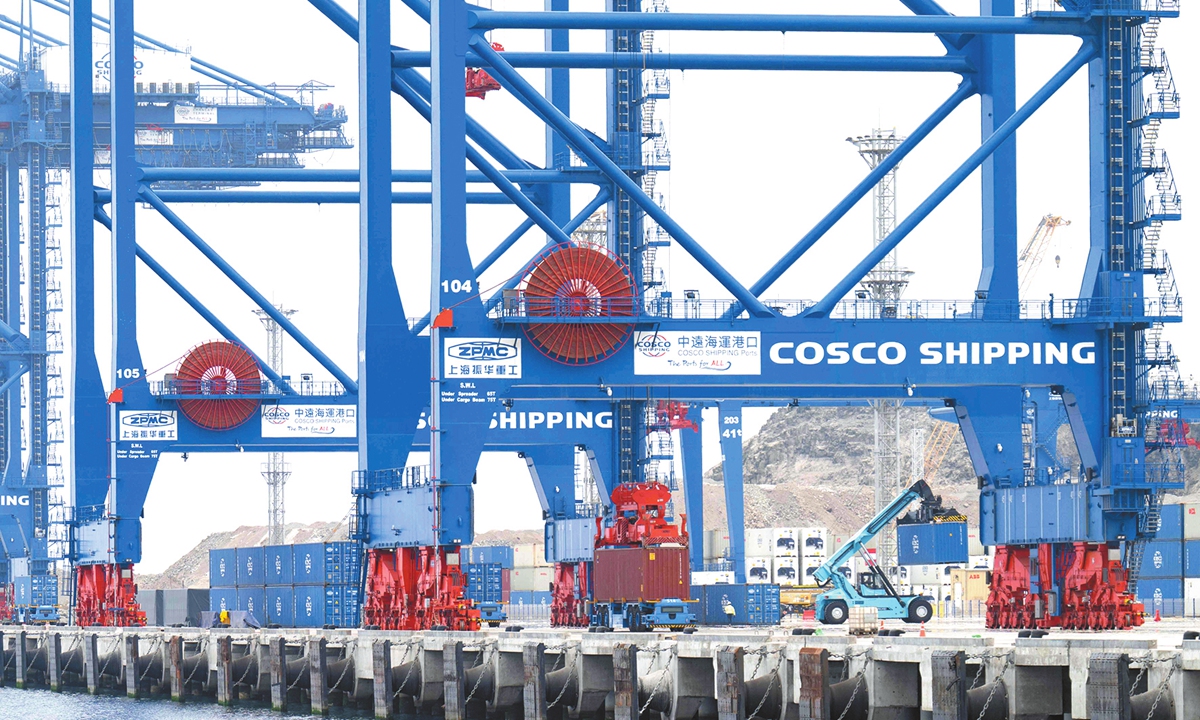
(836, 612)
(919, 611)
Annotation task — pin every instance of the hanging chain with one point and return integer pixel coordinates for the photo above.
(199, 651)
(658, 685)
(570, 673)
(770, 684)
(1146, 662)
(411, 664)
(348, 657)
(487, 661)
(858, 682)
(252, 649)
(1008, 661)
(1163, 686)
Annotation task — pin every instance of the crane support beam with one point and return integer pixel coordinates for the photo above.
(704, 61)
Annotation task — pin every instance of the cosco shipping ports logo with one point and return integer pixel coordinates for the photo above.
(653, 345)
(486, 350)
(276, 415)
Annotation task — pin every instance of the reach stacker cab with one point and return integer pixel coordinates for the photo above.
(874, 589)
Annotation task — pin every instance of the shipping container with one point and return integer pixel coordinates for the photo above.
(1171, 525)
(970, 585)
(182, 606)
(974, 545)
(529, 555)
(1191, 596)
(222, 568)
(281, 606)
(1191, 521)
(814, 542)
(501, 555)
(1164, 595)
(1162, 559)
(222, 598)
(280, 561)
(808, 570)
(253, 600)
(787, 571)
(1191, 558)
(758, 569)
(519, 597)
(308, 564)
(343, 562)
(251, 567)
(752, 604)
(541, 597)
(309, 605)
(526, 579)
(760, 542)
(979, 561)
(151, 603)
(932, 543)
(22, 590)
(640, 574)
(716, 545)
(784, 542)
(571, 540)
(922, 574)
(719, 577)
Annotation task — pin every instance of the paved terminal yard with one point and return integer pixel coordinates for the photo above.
(956, 671)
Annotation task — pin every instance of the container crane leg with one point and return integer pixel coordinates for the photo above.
(417, 588)
(107, 596)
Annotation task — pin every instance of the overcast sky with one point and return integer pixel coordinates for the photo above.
(757, 159)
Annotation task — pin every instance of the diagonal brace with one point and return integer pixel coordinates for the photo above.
(148, 195)
(582, 145)
(1081, 58)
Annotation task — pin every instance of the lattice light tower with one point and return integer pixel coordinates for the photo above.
(883, 287)
(275, 470)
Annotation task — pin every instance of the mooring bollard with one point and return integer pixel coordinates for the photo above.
(54, 660)
(19, 661)
(91, 662)
(625, 682)
(731, 691)
(278, 675)
(175, 659)
(381, 675)
(452, 680)
(129, 661)
(534, 656)
(224, 670)
(318, 688)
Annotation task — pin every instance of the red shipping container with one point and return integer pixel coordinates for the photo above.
(505, 581)
(634, 574)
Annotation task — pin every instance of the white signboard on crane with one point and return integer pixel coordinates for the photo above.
(289, 421)
(149, 66)
(673, 352)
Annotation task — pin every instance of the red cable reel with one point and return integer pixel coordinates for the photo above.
(220, 371)
(579, 282)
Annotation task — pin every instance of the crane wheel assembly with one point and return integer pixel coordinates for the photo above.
(579, 282)
(221, 372)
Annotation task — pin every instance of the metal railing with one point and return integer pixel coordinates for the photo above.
(363, 482)
(1109, 7)
(515, 306)
(222, 387)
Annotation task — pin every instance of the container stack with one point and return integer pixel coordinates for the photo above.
(489, 573)
(310, 585)
(815, 548)
(531, 576)
(1160, 585)
(785, 560)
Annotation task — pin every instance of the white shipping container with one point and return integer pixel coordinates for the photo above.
(924, 574)
(526, 579)
(784, 543)
(808, 567)
(1191, 596)
(529, 555)
(1191, 521)
(815, 541)
(759, 542)
(979, 561)
(758, 569)
(787, 571)
(716, 545)
(974, 546)
(713, 578)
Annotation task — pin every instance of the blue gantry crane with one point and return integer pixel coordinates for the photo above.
(587, 329)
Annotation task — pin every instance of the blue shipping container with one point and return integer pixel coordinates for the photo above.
(222, 568)
(310, 605)
(309, 564)
(501, 555)
(1191, 558)
(932, 543)
(281, 606)
(542, 597)
(280, 561)
(756, 604)
(1162, 594)
(254, 601)
(22, 591)
(523, 597)
(222, 598)
(1162, 559)
(1172, 523)
(251, 567)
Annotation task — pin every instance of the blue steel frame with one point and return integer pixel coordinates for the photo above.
(1006, 343)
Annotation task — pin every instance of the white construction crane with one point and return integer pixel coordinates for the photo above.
(1035, 250)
